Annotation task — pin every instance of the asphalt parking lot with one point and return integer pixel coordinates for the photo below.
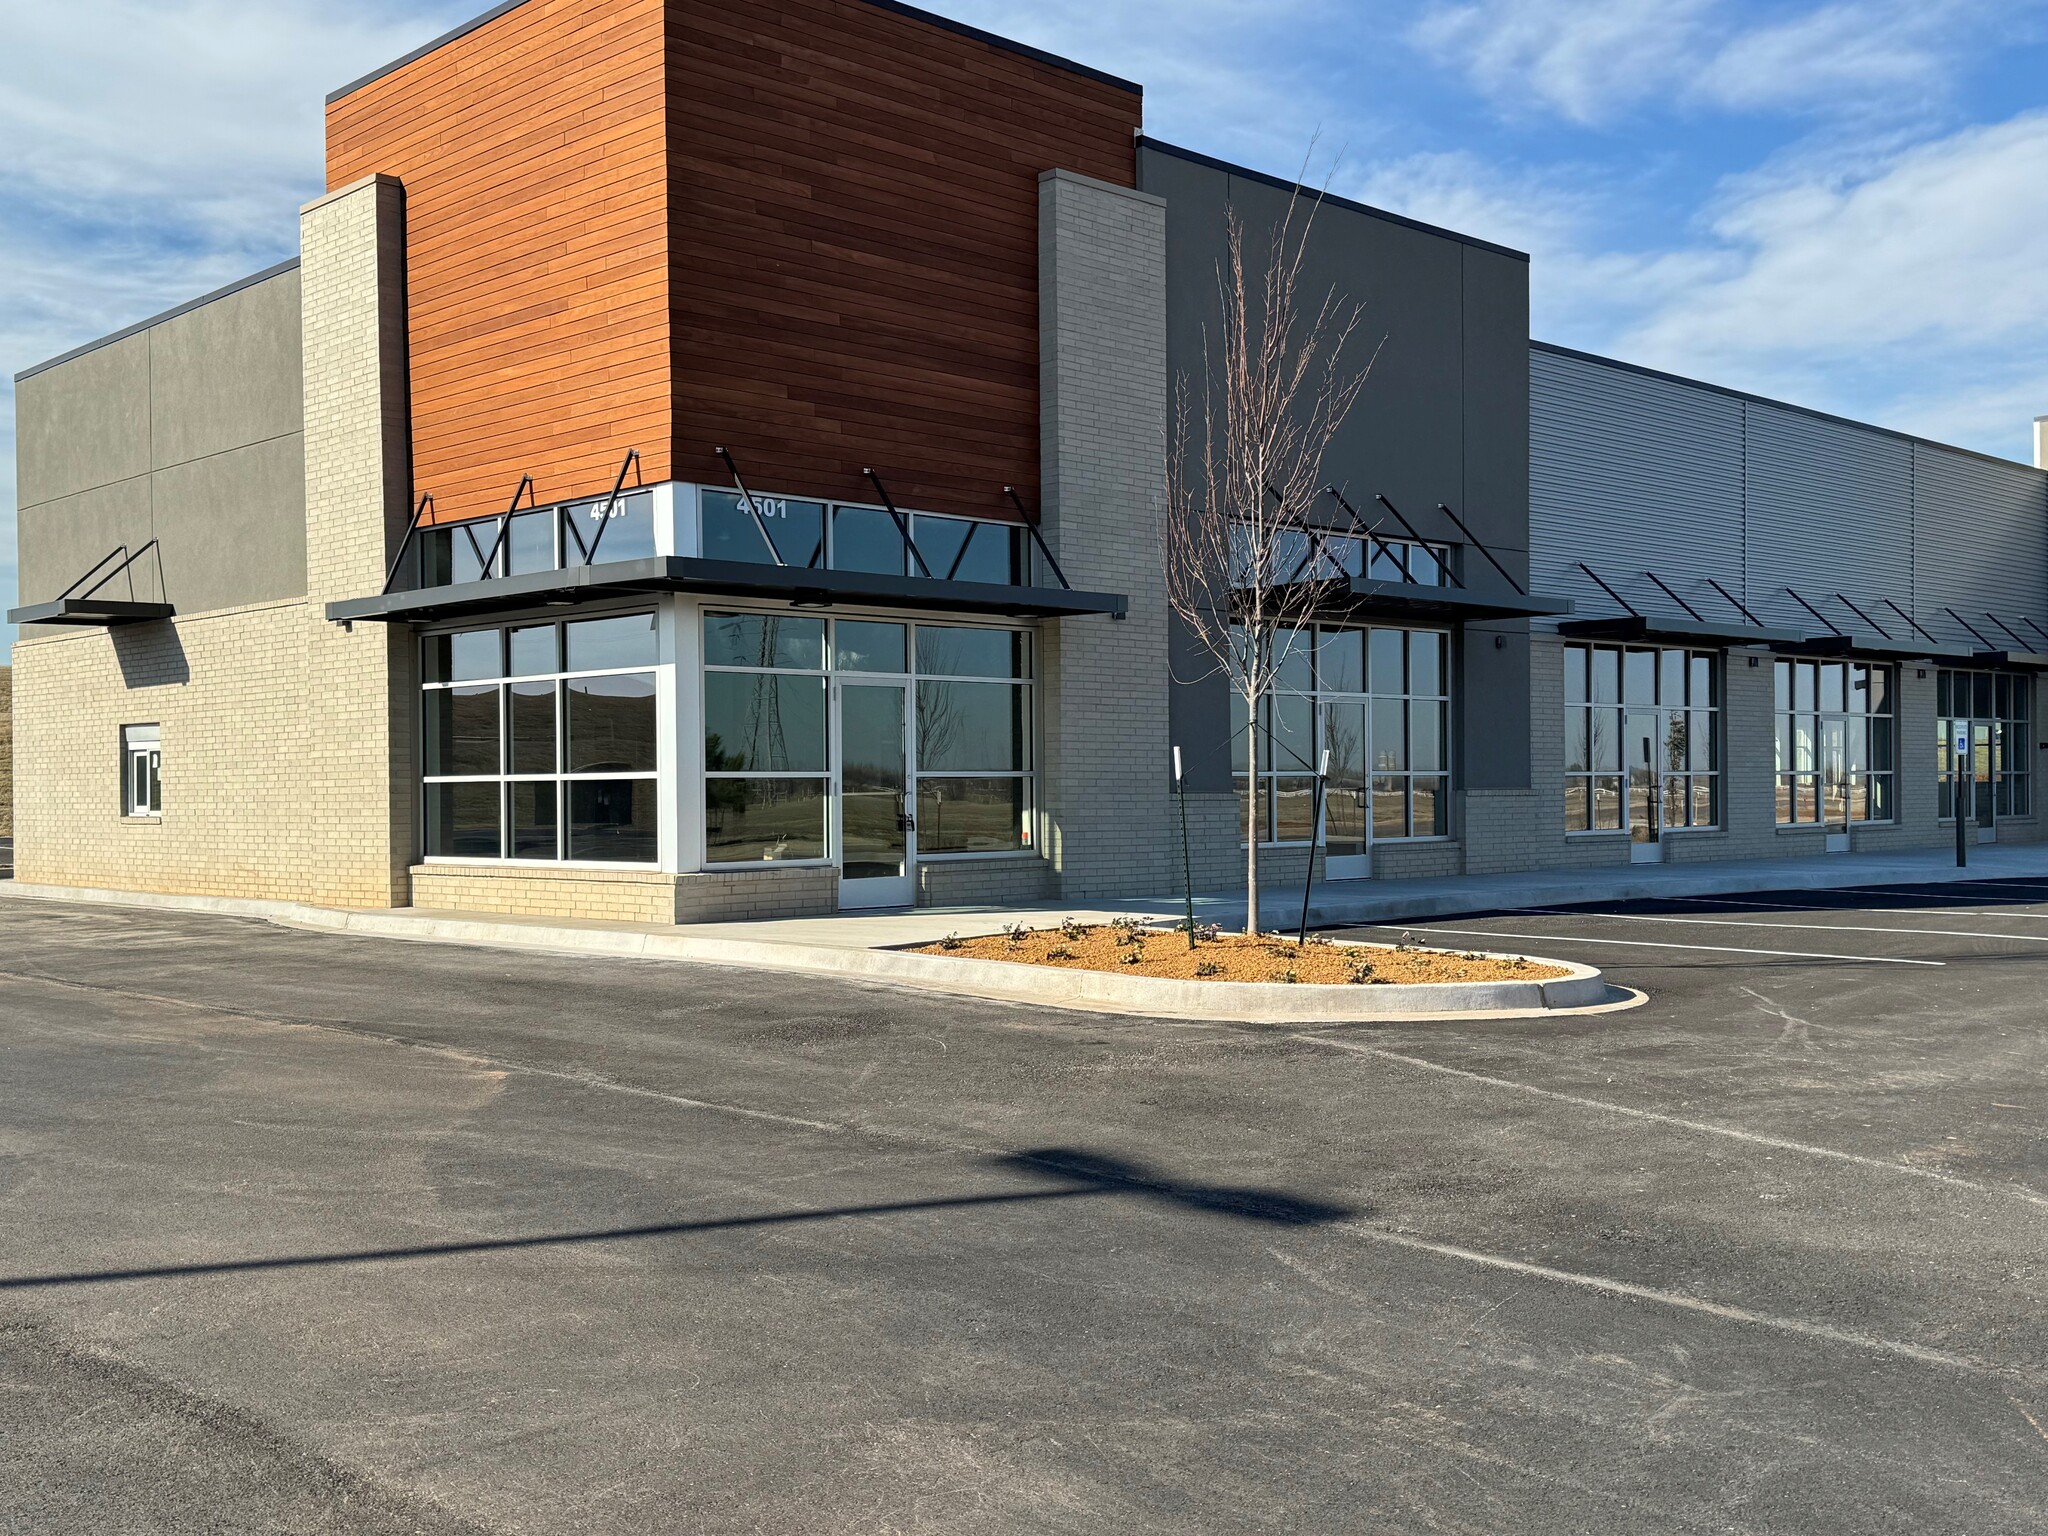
(311, 1233)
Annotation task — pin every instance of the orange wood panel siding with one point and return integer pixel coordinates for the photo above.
(534, 158)
(855, 245)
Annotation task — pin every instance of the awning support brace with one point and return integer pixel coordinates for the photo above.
(1729, 598)
(72, 590)
(1473, 539)
(632, 461)
(490, 561)
(1833, 629)
(1970, 627)
(902, 523)
(747, 501)
(1866, 618)
(1380, 497)
(1031, 527)
(411, 531)
(1625, 603)
(1372, 535)
(1913, 623)
(1994, 618)
(1666, 590)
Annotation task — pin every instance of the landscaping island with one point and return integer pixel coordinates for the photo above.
(1128, 947)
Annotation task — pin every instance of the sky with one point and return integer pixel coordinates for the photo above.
(1843, 203)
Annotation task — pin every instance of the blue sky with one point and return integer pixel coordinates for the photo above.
(1843, 203)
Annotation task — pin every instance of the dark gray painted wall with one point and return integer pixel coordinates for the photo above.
(1634, 471)
(1444, 417)
(189, 432)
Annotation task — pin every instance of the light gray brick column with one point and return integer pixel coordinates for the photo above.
(1105, 780)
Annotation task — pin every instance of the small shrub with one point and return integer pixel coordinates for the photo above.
(1017, 933)
(1318, 941)
(1361, 973)
(1288, 976)
(1059, 952)
(1208, 933)
(1207, 968)
(1071, 930)
(950, 941)
(1135, 957)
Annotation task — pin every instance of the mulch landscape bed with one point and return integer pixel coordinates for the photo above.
(1130, 948)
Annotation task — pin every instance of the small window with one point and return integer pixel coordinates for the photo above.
(142, 761)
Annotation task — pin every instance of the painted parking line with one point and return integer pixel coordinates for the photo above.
(1747, 903)
(1735, 922)
(1714, 949)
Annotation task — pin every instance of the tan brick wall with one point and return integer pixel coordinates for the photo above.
(6, 751)
(228, 691)
(358, 834)
(626, 895)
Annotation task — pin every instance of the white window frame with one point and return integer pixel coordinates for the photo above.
(665, 809)
(833, 675)
(142, 756)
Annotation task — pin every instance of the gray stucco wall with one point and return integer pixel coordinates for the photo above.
(1443, 417)
(189, 431)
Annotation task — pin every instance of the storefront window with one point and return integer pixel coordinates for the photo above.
(538, 742)
(1836, 736)
(1641, 739)
(603, 529)
(769, 691)
(1994, 710)
(1379, 701)
(851, 537)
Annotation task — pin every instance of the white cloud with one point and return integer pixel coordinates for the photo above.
(156, 150)
(1592, 61)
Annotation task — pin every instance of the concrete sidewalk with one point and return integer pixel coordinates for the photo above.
(1356, 902)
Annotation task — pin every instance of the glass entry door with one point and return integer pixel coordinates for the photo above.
(877, 832)
(1347, 807)
(1643, 750)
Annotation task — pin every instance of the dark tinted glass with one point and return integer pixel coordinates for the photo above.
(614, 820)
(762, 640)
(971, 727)
(867, 539)
(536, 812)
(970, 815)
(532, 729)
(628, 534)
(611, 724)
(970, 652)
(628, 641)
(959, 550)
(751, 820)
(797, 529)
(530, 543)
(458, 658)
(460, 730)
(764, 723)
(462, 821)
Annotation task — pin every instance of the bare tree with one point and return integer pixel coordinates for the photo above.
(1245, 471)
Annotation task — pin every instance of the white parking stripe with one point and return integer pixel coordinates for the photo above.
(1735, 922)
(1717, 949)
(1747, 902)
(1706, 1127)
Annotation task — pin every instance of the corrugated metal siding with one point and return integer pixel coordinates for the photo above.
(1630, 473)
(1980, 537)
(1829, 509)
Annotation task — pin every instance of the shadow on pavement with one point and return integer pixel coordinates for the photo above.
(1082, 1174)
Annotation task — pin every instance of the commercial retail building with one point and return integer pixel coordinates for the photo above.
(707, 461)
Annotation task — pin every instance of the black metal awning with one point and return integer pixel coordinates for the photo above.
(90, 612)
(1651, 627)
(1853, 647)
(721, 578)
(1409, 599)
(2015, 661)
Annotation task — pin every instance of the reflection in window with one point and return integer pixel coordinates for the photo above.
(1835, 743)
(1378, 701)
(1641, 739)
(525, 758)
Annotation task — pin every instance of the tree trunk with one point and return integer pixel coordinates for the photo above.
(1253, 799)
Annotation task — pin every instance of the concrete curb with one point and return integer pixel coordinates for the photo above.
(1584, 989)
